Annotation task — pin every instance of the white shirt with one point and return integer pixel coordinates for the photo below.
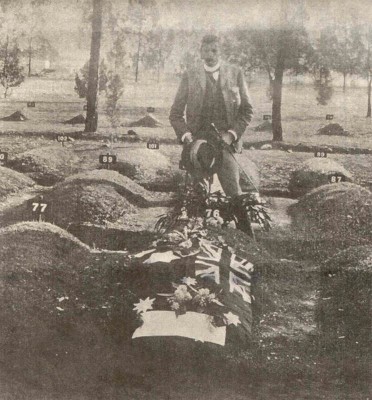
(215, 70)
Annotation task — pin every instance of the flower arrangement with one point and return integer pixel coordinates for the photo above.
(189, 296)
(196, 203)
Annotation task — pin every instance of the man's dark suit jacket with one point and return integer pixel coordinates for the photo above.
(190, 97)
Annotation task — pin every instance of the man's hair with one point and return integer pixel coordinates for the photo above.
(208, 39)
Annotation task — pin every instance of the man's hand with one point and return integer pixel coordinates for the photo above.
(187, 138)
(228, 137)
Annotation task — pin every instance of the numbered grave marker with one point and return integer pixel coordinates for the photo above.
(38, 209)
(150, 109)
(212, 213)
(31, 104)
(329, 117)
(336, 178)
(3, 157)
(267, 117)
(62, 139)
(321, 154)
(107, 159)
(153, 144)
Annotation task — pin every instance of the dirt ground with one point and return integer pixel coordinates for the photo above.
(84, 351)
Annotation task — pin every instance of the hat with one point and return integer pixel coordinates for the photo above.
(201, 157)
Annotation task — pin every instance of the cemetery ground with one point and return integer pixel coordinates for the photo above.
(67, 299)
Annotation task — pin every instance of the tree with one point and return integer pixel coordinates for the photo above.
(345, 49)
(92, 115)
(11, 72)
(114, 91)
(81, 79)
(365, 67)
(274, 51)
(142, 18)
(159, 47)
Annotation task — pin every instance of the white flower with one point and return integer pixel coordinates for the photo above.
(143, 305)
(231, 319)
(189, 281)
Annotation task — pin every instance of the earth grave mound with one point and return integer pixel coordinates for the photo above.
(150, 168)
(12, 181)
(148, 121)
(78, 119)
(75, 202)
(16, 116)
(334, 215)
(344, 308)
(46, 165)
(123, 185)
(333, 129)
(39, 245)
(313, 173)
(265, 126)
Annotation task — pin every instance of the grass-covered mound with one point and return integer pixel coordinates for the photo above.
(46, 165)
(344, 312)
(338, 213)
(313, 173)
(13, 181)
(75, 202)
(123, 185)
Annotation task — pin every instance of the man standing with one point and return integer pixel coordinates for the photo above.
(214, 93)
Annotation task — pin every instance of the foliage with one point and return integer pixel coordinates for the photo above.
(114, 90)
(81, 79)
(159, 47)
(322, 84)
(340, 48)
(195, 203)
(11, 72)
(257, 49)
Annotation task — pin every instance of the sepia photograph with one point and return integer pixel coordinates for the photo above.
(185, 200)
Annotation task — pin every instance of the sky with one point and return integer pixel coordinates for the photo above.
(62, 20)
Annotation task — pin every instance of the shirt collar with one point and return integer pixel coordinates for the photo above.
(212, 69)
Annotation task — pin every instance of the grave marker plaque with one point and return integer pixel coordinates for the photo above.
(153, 144)
(3, 157)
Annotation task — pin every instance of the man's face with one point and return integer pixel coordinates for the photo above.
(210, 53)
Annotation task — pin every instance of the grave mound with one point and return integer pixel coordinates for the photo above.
(334, 213)
(75, 202)
(31, 246)
(265, 126)
(16, 116)
(125, 186)
(344, 310)
(13, 181)
(148, 121)
(314, 173)
(46, 165)
(333, 129)
(149, 168)
(78, 119)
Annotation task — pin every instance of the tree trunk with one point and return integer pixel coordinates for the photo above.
(29, 56)
(277, 96)
(344, 86)
(159, 62)
(138, 54)
(92, 115)
(369, 97)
